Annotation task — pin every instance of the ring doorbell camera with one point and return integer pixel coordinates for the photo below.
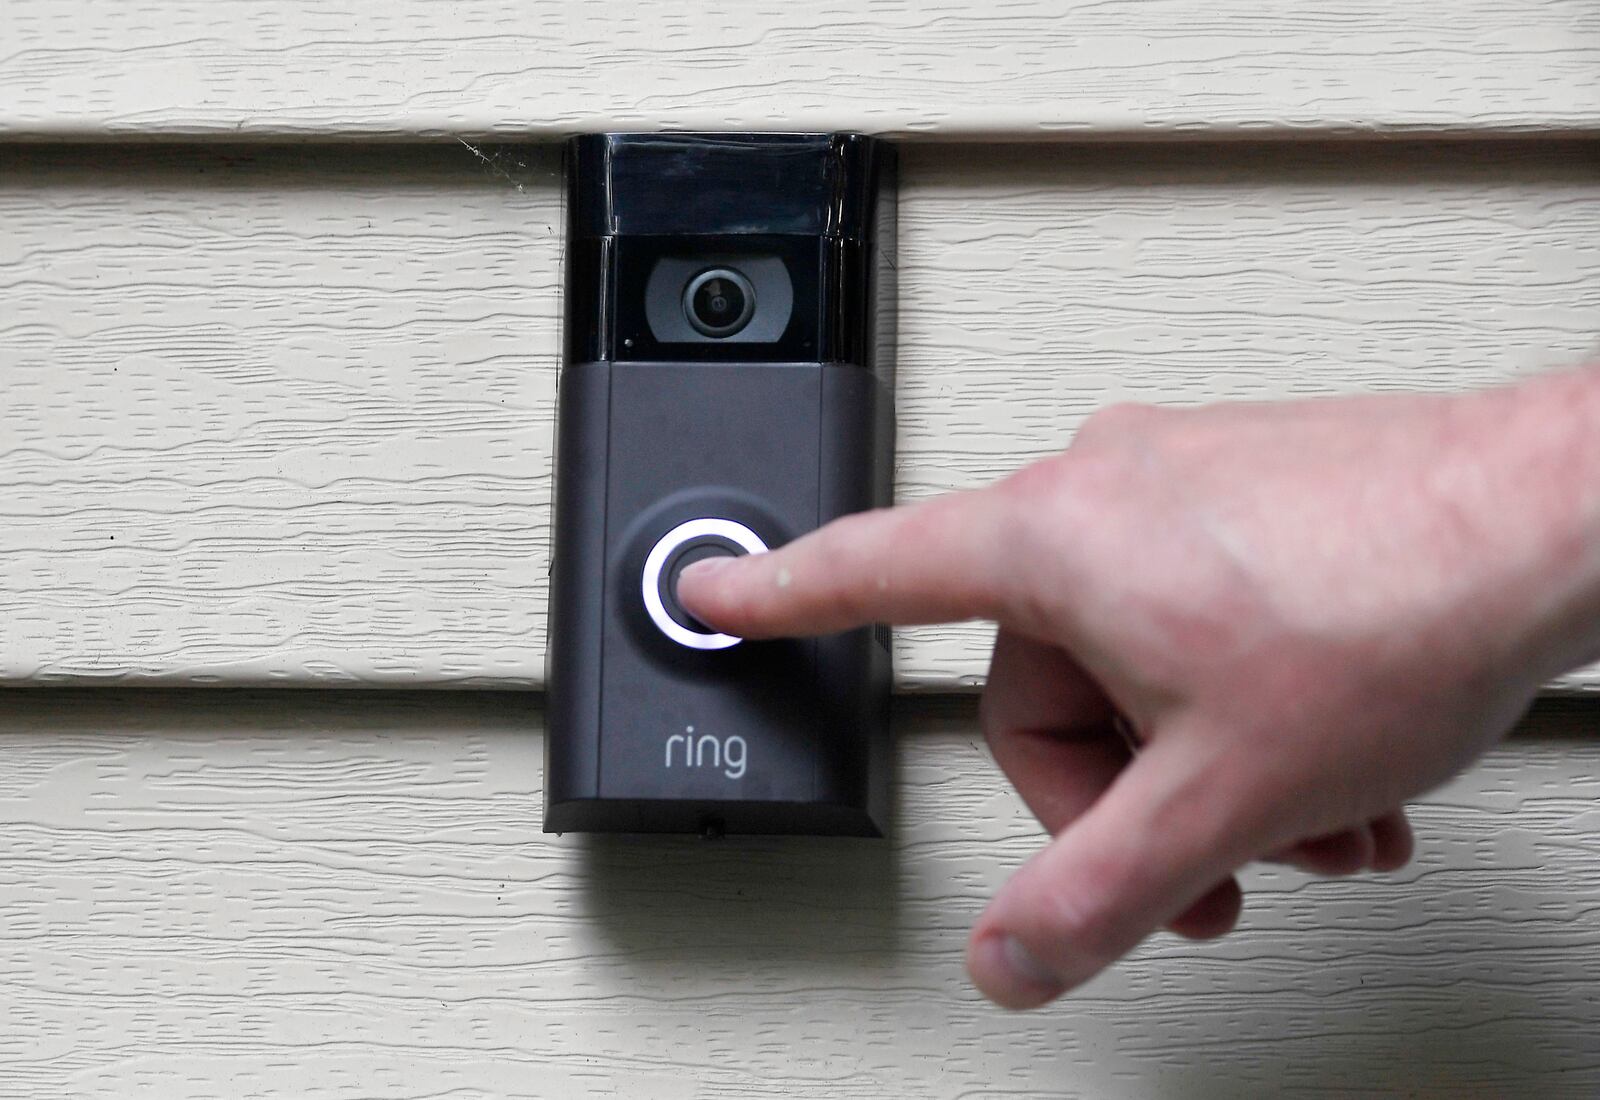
(719, 302)
(725, 387)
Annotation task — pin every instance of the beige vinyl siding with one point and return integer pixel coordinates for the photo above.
(278, 350)
(1021, 69)
(283, 415)
(342, 895)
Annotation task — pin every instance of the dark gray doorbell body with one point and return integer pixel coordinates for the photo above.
(725, 388)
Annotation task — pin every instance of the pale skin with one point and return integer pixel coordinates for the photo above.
(1300, 615)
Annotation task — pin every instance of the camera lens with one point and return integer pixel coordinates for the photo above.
(719, 302)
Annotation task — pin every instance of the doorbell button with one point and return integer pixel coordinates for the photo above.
(673, 552)
(688, 553)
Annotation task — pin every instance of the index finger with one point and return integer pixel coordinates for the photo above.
(938, 561)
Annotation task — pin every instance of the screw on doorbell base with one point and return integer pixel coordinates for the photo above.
(673, 552)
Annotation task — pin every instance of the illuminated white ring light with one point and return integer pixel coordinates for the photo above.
(736, 533)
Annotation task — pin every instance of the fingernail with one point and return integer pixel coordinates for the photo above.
(705, 568)
(1024, 967)
(1010, 976)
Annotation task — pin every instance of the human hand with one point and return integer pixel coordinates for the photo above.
(1302, 613)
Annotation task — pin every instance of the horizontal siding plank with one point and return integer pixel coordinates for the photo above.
(330, 895)
(231, 69)
(283, 415)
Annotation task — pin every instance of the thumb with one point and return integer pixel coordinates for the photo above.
(1164, 834)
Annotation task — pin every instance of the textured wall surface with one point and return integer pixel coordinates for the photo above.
(281, 414)
(284, 415)
(1028, 68)
(326, 895)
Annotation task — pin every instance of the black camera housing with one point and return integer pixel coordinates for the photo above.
(726, 386)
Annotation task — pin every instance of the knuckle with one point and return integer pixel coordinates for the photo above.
(730, 606)
(1122, 420)
(990, 721)
(965, 587)
(1069, 484)
(1234, 808)
(1036, 477)
(1026, 494)
(1082, 914)
(843, 553)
